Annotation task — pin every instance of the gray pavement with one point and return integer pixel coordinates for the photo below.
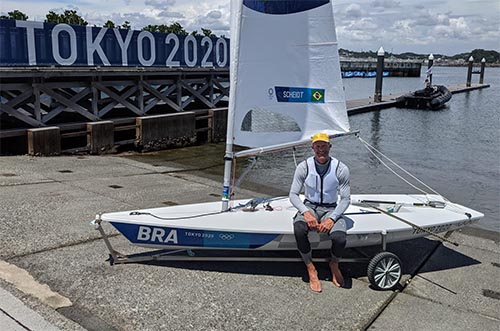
(47, 203)
(16, 316)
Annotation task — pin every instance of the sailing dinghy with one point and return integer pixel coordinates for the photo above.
(285, 86)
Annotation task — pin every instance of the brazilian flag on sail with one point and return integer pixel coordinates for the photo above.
(318, 95)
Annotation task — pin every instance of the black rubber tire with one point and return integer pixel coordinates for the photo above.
(384, 271)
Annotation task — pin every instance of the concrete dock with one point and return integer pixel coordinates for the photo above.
(54, 274)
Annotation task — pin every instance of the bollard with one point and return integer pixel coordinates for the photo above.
(469, 71)
(481, 74)
(380, 72)
(429, 68)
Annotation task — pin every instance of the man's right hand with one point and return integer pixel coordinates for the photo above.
(311, 221)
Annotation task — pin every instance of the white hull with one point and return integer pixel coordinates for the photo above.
(273, 230)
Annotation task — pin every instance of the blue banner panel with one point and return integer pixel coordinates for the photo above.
(299, 94)
(28, 43)
(158, 235)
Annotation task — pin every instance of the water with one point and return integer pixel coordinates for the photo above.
(454, 150)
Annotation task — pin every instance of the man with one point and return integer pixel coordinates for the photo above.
(324, 178)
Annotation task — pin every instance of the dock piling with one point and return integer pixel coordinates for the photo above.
(469, 72)
(429, 68)
(380, 72)
(481, 74)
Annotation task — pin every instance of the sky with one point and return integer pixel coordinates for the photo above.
(420, 26)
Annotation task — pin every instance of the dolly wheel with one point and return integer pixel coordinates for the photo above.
(384, 271)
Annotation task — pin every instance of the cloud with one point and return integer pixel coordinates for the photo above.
(61, 10)
(214, 14)
(215, 18)
(363, 25)
(385, 4)
(414, 25)
(457, 28)
(426, 18)
(362, 30)
(159, 4)
(353, 11)
(166, 13)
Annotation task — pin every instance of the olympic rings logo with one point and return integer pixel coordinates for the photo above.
(226, 236)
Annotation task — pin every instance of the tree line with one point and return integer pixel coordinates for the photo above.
(72, 17)
(491, 56)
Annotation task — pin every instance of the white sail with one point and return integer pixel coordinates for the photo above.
(285, 73)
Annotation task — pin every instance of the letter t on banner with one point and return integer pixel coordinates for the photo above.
(30, 36)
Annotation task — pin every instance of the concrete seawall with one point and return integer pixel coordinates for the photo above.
(150, 133)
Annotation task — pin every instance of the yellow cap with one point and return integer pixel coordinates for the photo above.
(320, 137)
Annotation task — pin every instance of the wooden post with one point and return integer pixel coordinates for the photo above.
(469, 72)
(380, 72)
(219, 122)
(140, 95)
(95, 98)
(100, 137)
(44, 141)
(429, 68)
(165, 131)
(481, 74)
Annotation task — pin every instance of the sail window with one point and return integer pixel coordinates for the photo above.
(261, 120)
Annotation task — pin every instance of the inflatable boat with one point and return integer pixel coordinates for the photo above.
(432, 97)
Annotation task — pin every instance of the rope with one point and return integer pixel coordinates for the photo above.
(412, 224)
(294, 157)
(371, 149)
(253, 203)
(253, 162)
(174, 218)
(231, 185)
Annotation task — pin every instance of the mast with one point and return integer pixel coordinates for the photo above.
(233, 69)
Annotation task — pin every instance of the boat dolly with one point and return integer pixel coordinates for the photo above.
(384, 269)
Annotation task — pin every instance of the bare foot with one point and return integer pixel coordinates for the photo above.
(337, 278)
(314, 283)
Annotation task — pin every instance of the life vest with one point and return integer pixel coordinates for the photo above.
(321, 190)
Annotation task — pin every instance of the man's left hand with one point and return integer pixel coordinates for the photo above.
(326, 225)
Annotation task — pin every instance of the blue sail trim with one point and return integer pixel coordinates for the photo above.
(282, 7)
(165, 236)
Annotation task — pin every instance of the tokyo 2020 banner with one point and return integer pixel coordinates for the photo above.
(28, 43)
